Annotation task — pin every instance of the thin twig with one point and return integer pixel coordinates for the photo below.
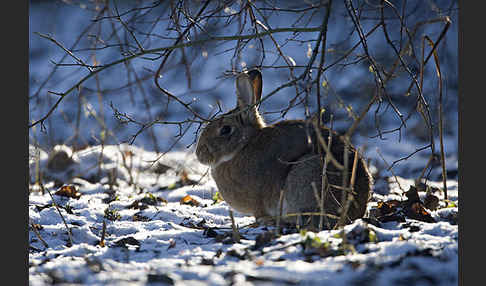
(80, 61)
(36, 232)
(349, 198)
(118, 17)
(236, 233)
(322, 60)
(389, 168)
(378, 78)
(345, 182)
(103, 234)
(327, 149)
(408, 156)
(310, 214)
(70, 243)
(431, 158)
(441, 135)
(325, 184)
(320, 204)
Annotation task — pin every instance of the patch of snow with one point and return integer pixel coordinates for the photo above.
(174, 243)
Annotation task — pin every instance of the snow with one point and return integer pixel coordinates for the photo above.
(172, 243)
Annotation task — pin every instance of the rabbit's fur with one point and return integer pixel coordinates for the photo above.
(251, 162)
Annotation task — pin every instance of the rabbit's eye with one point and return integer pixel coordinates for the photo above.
(225, 130)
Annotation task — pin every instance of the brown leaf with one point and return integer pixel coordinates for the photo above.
(418, 212)
(126, 241)
(152, 200)
(387, 207)
(184, 179)
(68, 191)
(207, 261)
(184, 176)
(187, 222)
(412, 195)
(144, 202)
(188, 200)
(238, 253)
(259, 261)
(388, 211)
(37, 226)
(431, 202)
(139, 217)
(172, 244)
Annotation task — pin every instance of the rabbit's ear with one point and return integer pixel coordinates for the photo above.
(248, 92)
(244, 90)
(249, 87)
(257, 83)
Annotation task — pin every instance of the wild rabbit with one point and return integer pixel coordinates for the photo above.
(251, 163)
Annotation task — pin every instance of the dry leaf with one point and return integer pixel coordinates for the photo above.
(68, 191)
(412, 195)
(184, 179)
(418, 212)
(172, 244)
(126, 242)
(37, 226)
(259, 262)
(139, 217)
(188, 200)
(431, 202)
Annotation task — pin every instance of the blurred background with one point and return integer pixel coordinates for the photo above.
(151, 73)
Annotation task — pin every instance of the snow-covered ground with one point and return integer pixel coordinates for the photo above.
(137, 219)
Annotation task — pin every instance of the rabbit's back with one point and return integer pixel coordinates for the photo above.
(303, 190)
(304, 177)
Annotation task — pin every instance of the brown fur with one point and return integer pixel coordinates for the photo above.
(260, 161)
